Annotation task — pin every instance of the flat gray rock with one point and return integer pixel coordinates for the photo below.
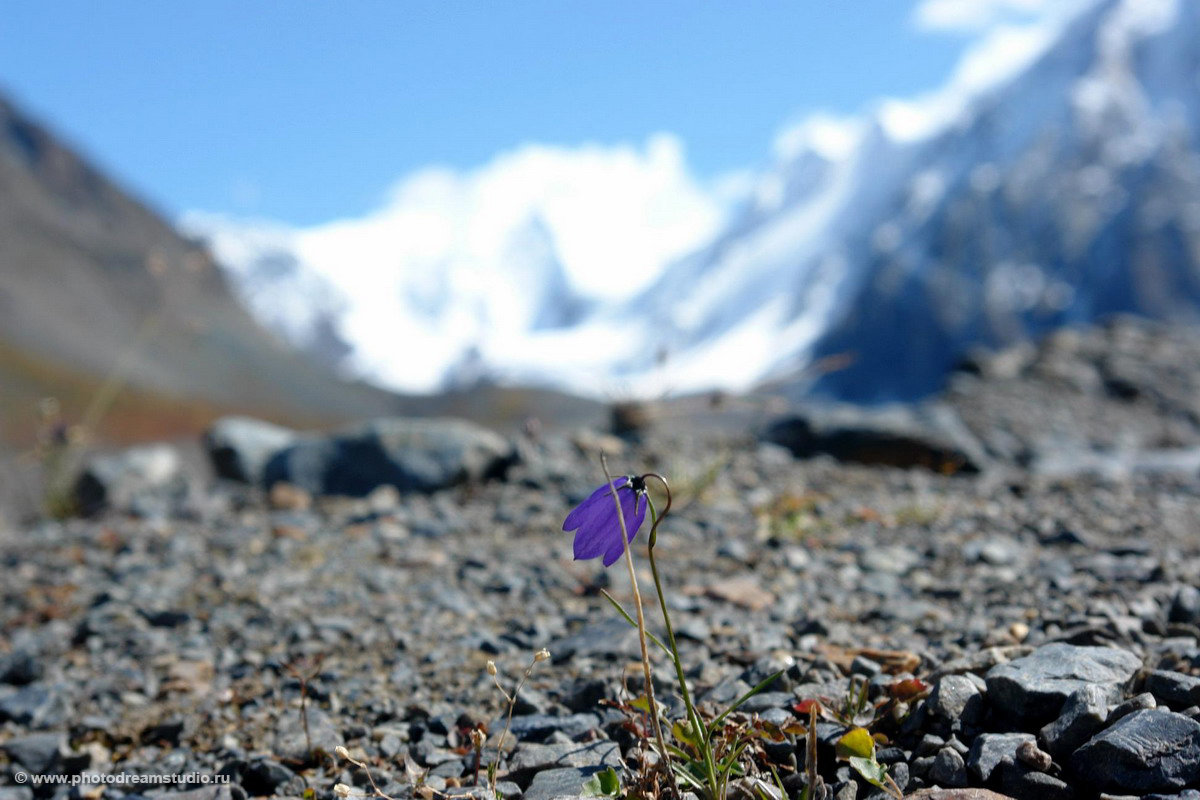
(1082, 715)
(1033, 689)
(552, 784)
(240, 447)
(413, 455)
(144, 480)
(1148, 751)
(1175, 689)
(37, 752)
(930, 436)
(530, 758)
(990, 750)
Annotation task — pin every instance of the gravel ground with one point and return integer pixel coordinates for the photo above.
(1053, 620)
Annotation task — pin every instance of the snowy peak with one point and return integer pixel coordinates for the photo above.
(1062, 197)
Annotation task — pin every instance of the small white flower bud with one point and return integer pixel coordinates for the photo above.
(541, 655)
(341, 790)
(343, 753)
(491, 667)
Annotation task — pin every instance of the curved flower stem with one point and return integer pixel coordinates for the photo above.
(663, 753)
(698, 726)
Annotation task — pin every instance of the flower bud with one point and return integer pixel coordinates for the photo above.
(342, 752)
(341, 790)
(541, 655)
(491, 667)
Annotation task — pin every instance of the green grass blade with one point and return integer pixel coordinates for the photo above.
(632, 621)
(712, 726)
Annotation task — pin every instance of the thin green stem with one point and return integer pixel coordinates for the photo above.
(701, 732)
(664, 754)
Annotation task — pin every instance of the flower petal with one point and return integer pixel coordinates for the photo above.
(588, 506)
(597, 525)
(614, 552)
(593, 540)
(633, 508)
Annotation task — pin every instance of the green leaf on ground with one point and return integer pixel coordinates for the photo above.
(605, 783)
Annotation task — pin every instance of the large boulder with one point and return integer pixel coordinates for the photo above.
(929, 436)
(240, 447)
(413, 455)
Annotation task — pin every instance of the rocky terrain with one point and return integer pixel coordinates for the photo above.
(1033, 563)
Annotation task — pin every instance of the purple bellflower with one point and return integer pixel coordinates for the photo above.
(597, 529)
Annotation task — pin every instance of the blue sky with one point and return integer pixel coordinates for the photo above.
(304, 112)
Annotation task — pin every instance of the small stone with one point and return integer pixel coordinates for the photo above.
(19, 668)
(290, 742)
(530, 758)
(1083, 714)
(764, 701)
(955, 697)
(585, 694)
(286, 497)
(861, 665)
(537, 727)
(1034, 757)
(135, 480)
(1138, 702)
(166, 732)
(509, 790)
(1147, 751)
(553, 784)
(1028, 784)
(930, 744)
(996, 551)
(745, 591)
(1185, 606)
(948, 768)
(611, 637)
(240, 447)
(735, 549)
(1174, 689)
(35, 706)
(990, 750)
(36, 752)
(264, 777)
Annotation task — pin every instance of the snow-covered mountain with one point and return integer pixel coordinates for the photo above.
(496, 273)
(1066, 192)
(862, 265)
